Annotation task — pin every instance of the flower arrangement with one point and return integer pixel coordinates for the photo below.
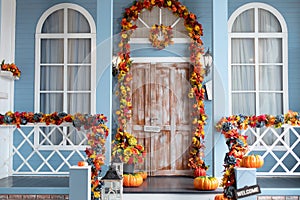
(97, 133)
(126, 146)
(237, 143)
(11, 68)
(195, 32)
(167, 35)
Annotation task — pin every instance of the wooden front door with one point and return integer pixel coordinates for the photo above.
(161, 115)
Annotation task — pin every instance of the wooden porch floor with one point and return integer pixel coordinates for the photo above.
(156, 185)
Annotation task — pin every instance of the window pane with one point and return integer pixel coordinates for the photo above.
(51, 103)
(54, 22)
(244, 22)
(52, 51)
(79, 78)
(77, 23)
(271, 103)
(243, 103)
(270, 50)
(243, 77)
(270, 78)
(51, 78)
(79, 51)
(242, 50)
(267, 22)
(79, 103)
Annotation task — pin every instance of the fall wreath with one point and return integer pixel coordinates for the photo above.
(161, 36)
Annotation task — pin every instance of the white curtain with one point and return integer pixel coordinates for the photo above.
(77, 81)
(269, 68)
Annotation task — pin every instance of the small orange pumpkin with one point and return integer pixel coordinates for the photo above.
(132, 180)
(143, 174)
(252, 161)
(220, 197)
(82, 164)
(206, 183)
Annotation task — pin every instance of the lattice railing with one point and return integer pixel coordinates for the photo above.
(46, 149)
(280, 149)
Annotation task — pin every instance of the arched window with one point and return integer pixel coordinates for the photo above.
(258, 61)
(65, 60)
(65, 67)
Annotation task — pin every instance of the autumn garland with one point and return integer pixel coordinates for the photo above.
(194, 29)
(97, 133)
(237, 143)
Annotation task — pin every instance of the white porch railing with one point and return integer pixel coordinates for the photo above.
(33, 149)
(40, 149)
(281, 154)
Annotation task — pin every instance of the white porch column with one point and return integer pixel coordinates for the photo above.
(7, 37)
(220, 80)
(6, 104)
(7, 52)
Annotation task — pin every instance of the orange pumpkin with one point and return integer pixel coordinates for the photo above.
(220, 197)
(143, 174)
(252, 161)
(199, 172)
(82, 163)
(132, 180)
(206, 183)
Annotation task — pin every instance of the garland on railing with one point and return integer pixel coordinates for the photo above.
(194, 29)
(97, 133)
(237, 143)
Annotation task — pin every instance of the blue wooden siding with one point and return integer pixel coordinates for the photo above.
(28, 14)
(289, 9)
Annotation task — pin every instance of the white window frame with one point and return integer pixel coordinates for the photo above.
(39, 35)
(256, 35)
(65, 36)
